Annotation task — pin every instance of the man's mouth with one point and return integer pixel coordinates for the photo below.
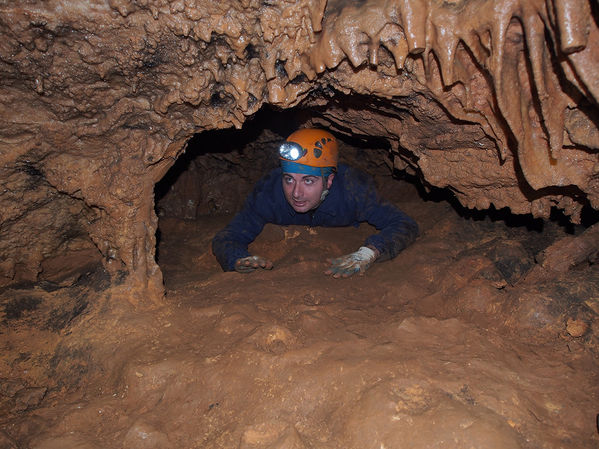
(299, 203)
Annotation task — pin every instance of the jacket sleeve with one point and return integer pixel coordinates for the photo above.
(396, 229)
(231, 243)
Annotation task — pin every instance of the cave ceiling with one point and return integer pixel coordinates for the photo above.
(495, 100)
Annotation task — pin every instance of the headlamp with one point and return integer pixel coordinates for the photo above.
(291, 151)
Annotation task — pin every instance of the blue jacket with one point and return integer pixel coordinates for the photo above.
(352, 199)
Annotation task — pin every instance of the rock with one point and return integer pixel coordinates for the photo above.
(576, 328)
(28, 398)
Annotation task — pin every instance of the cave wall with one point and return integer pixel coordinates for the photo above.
(495, 100)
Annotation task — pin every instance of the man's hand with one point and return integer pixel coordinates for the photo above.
(251, 263)
(350, 264)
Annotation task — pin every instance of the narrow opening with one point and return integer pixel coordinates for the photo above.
(210, 182)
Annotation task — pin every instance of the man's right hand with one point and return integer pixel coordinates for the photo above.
(251, 263)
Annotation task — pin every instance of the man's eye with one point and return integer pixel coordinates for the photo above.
(309, 181)
(288, 180)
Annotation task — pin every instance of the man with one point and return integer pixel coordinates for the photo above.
(311, 189)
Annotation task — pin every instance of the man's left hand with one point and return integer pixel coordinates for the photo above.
(357, 262)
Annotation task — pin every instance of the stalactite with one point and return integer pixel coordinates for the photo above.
(496, 34)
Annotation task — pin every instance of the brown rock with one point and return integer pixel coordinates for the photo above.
(576, 328)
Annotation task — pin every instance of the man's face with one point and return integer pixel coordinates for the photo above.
(303, 191)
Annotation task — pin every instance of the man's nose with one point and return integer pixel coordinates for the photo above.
(297, 191)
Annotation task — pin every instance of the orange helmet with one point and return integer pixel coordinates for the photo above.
(309, 151)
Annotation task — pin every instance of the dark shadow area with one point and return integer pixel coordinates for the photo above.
(220, 141)
(224, 141)
(589, 216)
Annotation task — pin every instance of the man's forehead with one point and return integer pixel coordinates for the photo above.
(300, 175)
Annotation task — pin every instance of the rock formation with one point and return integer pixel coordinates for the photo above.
(495, 100)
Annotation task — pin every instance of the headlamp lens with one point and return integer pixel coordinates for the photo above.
(291, 151)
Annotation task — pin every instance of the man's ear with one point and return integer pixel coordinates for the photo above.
(330, 180)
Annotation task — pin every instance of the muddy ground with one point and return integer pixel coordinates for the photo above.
(446, 346)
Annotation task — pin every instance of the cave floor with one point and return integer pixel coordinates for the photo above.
(444, 346)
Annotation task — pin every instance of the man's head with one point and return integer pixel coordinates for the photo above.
(309, 162)
(305, 192)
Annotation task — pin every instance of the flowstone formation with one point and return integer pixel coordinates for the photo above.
(495, 100)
